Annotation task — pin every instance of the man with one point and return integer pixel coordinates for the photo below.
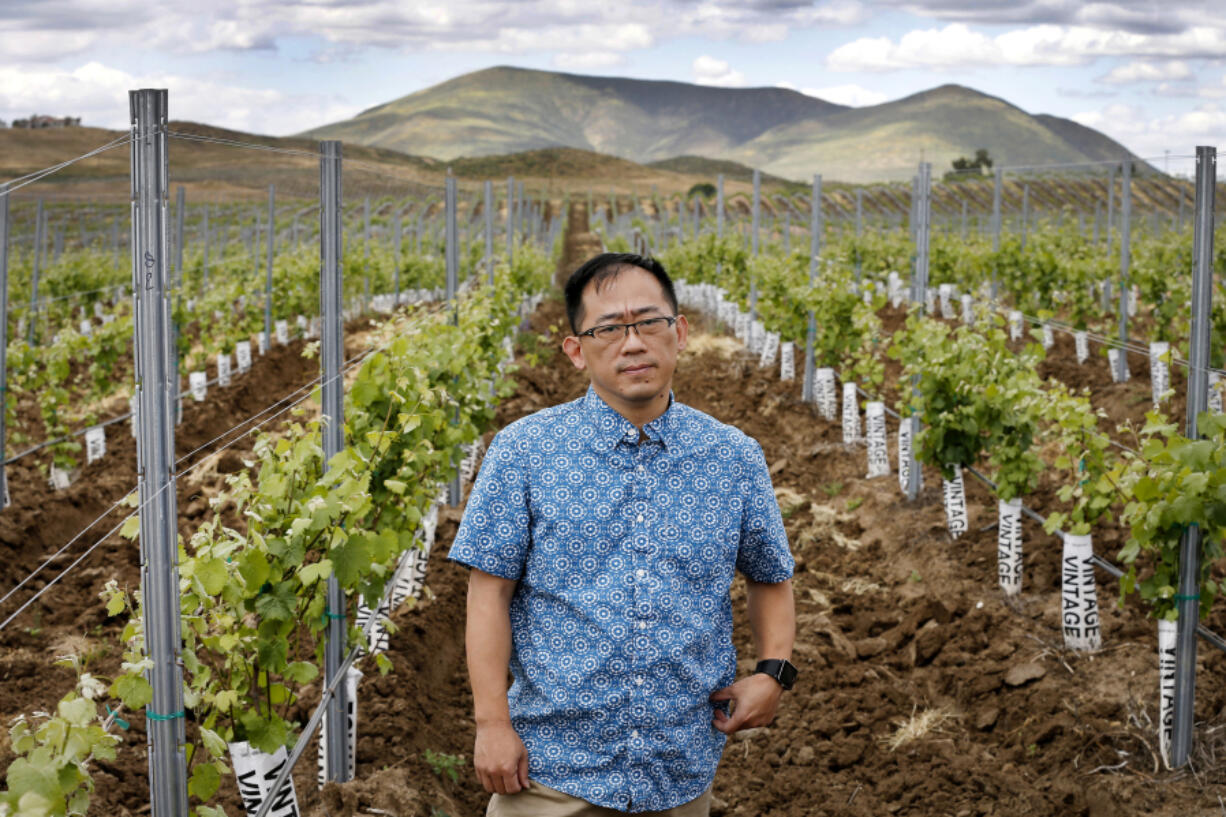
(603, 535)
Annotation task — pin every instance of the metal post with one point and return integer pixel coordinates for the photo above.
(115, 240)
(919, 286)
(205, 268)
(451, 239)
(519, 209)
(272, 198)
(366, 251)
(510, 220)
(452, 250)
(180, 204)
(397, 228)
(998, 184)
(719, 206)
(1110, 206)
(1025, 213)
(331, 350)
(489, 230)
(39, 240)
(757, 219)
(4, 335)
(815, 250)
(859, 225)
(1125, 260)
(1188, 599)
(155, 453)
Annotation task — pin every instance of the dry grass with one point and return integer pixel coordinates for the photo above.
(824, 527)
(858, 586)
(720, 345)
(919, 726)
(789, 500)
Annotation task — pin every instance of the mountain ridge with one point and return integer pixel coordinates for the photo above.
(503, 109)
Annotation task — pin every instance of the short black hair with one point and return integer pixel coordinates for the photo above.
(605, 266)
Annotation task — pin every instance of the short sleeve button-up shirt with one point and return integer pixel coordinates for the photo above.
(621, 624)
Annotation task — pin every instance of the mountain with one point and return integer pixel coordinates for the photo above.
(506, 110)
(887, 141)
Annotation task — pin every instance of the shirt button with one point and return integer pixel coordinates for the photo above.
(638, 518)
(634, 734)
(642, 469)
(642, 625)
(638, 681)
(642, 574)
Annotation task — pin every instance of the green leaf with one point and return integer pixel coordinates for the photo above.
(204, 782)
(301, 672)
(212, 575)
(265, 735)
(78, 711)
(131, 527)
(351, 559)
(253, 567)
(213, 742)
(133, 690)
(395, 486)
(278, 602)
(309, 574)
(38, 782)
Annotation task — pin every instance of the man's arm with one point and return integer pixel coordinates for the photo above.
(499, 756)
(772, 618)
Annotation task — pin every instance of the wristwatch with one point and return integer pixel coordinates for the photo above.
(780, 669)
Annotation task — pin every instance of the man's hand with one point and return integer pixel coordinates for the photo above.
(754, 701)
(500, 758)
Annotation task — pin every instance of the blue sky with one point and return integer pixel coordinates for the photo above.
(1152, 75)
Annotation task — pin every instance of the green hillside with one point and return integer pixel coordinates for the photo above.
(501, 111)
(887, 141)
(507, 110)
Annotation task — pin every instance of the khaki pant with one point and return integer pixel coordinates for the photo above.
(542, 801)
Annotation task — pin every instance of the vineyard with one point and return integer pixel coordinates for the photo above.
(975, 424)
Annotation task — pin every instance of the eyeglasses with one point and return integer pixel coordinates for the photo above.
(612, 332)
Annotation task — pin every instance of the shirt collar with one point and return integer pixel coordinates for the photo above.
(612, 428)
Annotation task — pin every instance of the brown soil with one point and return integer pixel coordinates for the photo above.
(581, 244)
(895, 620)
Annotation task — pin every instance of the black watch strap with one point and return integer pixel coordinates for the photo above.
(780, 669)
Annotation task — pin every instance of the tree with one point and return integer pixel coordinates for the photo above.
(704, 189)
(965, 168)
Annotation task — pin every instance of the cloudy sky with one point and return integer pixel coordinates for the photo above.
(1150, 74)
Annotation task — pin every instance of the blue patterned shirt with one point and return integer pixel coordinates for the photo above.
(621, 624)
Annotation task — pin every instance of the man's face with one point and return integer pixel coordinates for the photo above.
(632, 370)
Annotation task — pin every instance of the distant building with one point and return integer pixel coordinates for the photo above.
(39, 120)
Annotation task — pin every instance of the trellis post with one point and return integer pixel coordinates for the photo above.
(331, 350)
(155, 453)
(1187, 601)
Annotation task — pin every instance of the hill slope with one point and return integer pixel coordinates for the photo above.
(887, 141)
(507, 110)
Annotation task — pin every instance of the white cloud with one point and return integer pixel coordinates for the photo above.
(99, 94)
(1149, 136)
(958, 45)
(712, 71)
(856, 96)
(588, 61)
(1147, 71)
(50, 29)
